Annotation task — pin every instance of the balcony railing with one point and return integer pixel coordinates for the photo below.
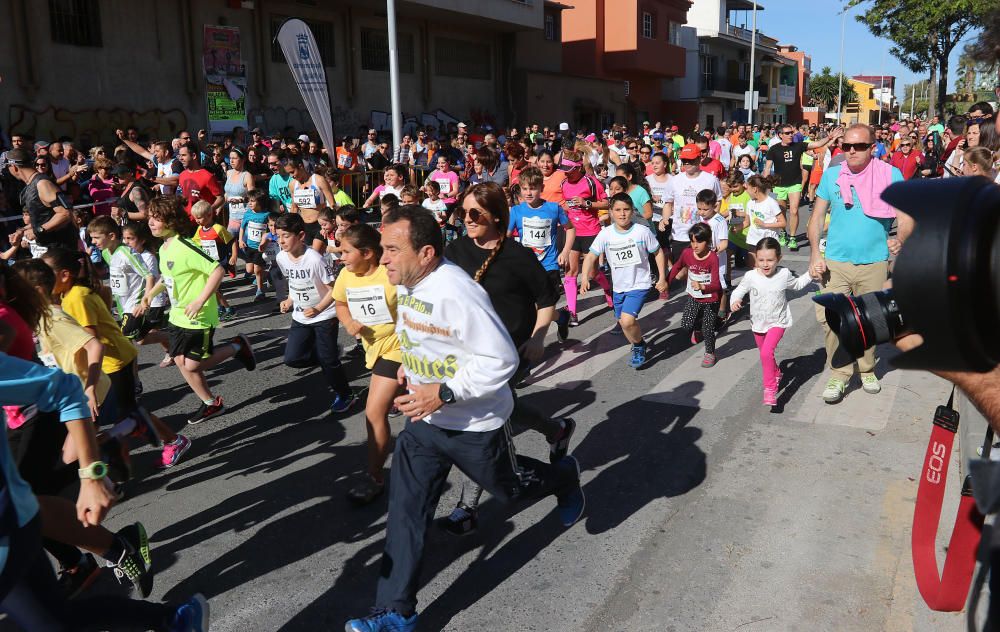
(786, 94)
(745, 35)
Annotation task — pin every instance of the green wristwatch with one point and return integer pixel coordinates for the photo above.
(96, 470)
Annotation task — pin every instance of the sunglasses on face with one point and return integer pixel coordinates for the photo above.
(41, 164)
(786, 133)
(474, 214)
(855, 146)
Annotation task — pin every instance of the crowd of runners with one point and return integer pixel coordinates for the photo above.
(447, 259)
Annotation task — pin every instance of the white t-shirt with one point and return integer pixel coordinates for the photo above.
(127, 279)
(720, 232)
(628, 255)
(153, 267)
(658, 191)
(768, 303)
(744, 151)
(682, 190)
(727, 151)
(309, 279)
(767, 211)
(439, 208)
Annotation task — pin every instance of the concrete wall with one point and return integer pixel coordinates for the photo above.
(550, 98)
(707, 15)
(515, 14)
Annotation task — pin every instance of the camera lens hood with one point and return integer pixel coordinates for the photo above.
(946, 280)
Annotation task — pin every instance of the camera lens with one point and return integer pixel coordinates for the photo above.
(860, 322)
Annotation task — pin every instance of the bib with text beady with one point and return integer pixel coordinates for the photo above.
(368, 305)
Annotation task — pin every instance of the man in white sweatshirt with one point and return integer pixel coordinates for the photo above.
(457, 360)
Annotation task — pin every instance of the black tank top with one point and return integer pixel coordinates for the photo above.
(65, 236)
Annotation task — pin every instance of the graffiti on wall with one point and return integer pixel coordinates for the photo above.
(93, 126)
(297, 120)
(382, 121)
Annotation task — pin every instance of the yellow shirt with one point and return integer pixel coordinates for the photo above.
(379, 340)
(63, 340)
(89, 310)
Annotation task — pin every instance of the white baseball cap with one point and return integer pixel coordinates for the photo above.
(304, 138)
(564, 127)
(461, 125)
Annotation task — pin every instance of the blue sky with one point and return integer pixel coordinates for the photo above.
(814, 27)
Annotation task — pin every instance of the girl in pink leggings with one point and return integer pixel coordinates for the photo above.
(769, 314)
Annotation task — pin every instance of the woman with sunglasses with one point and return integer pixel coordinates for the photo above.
(907, 159)
(932, 156)
(524, 298)
(43, 165)
(646, 158)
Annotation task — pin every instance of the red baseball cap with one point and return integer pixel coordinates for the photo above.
(674, 128)
(690, 152)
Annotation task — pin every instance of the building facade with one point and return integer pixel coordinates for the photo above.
(803, 65)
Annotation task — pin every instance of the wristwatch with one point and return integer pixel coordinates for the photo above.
(39, 229)
(446, 394)
(96, 470)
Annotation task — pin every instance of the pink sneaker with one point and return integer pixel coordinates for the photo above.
(770, 397)
(172, 452)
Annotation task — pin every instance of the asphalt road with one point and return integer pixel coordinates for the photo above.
(705, 510)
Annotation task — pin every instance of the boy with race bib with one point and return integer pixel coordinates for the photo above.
(366, 305)
(537, 224)
(217, 242)
(312, 338)
(627, 246)
(252, 232)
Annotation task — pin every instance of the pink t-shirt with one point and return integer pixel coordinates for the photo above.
(448, 181)
(714, 149)
(584, 220)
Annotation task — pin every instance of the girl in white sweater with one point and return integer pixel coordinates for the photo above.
(769, 314)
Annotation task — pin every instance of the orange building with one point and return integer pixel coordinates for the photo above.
(804, 63)
(636, 42)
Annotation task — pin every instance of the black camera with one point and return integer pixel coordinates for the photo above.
(946, 282)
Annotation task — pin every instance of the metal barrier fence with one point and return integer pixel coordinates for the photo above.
(360, 184)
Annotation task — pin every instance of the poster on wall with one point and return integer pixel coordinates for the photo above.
(225, 79)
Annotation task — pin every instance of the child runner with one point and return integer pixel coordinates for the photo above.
(434, 203)
(626, 246)
(312, 337)
(537, 224)
(763, 216)
(366, 305)
(217, 242)
(734, 210)
(137, 237)
(584, 196)
(191, 278)
(392, 178)
(708, 206)
(703, 289)
(340, 197)
(269, 250)
(410, 195)
(770, 316)
(252, 232)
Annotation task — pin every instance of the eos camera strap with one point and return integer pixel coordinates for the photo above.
(946, 592)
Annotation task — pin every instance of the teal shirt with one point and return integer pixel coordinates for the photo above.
(277, 188)
(853, 237)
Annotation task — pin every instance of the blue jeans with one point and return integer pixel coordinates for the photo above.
(316, 343)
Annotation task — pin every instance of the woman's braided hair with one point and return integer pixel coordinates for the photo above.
(490, 197)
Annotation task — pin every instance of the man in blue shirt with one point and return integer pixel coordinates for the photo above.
(856, 259)
(277, 187)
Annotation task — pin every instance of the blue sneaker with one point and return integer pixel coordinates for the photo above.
(638, 356)
(342, 404)
(191, 616)
(383, 621)
(571, 505)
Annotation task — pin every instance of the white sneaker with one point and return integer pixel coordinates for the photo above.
(834, 391)
(870, 384)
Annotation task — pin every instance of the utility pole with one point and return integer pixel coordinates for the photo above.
(753, 48)
(840, 83)
(881, 89)
(913, 95)
(397, 113)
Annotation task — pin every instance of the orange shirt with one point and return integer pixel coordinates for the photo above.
(552, 187)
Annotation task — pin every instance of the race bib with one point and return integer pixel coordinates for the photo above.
(736, 216)
(304, 295)
(445, 185)
(537, 232)
(368, 305)
(169, 282)
(255, 232)
(48, 360)
(704, 277)
(236, 212)
(117, 282)
(344, 161)
(624, 255)
(304, 198)
(36, 250)
(210, 248)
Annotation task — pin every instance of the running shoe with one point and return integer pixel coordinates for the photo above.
(381, 620)
(573, 320)
(192, 616)
(228, 313)
(245, 353)
(394, 412)
(366, 491)
(172, 452)
(770, 397)
(76, 579)
(207, 411)
(559, 447)
(134, 564)
(259, 297)
(144, 431)
(342, 403)
(870, 384)
(792, 244)
(783, 239)
(562, 326)
(834, 391)
(696, 336)
(461, 521)
(166, 361)
(638, 356)
(708, 361)
(572, 504)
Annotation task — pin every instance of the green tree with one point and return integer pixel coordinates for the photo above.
(924, 33)
(824, 87)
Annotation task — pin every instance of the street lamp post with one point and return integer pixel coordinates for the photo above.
(753, 48)
(840, 82)
(397, 113)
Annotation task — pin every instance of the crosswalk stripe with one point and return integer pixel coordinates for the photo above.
(691, 385)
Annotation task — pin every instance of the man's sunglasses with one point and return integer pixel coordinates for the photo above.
(474, 214)
(856, 146)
